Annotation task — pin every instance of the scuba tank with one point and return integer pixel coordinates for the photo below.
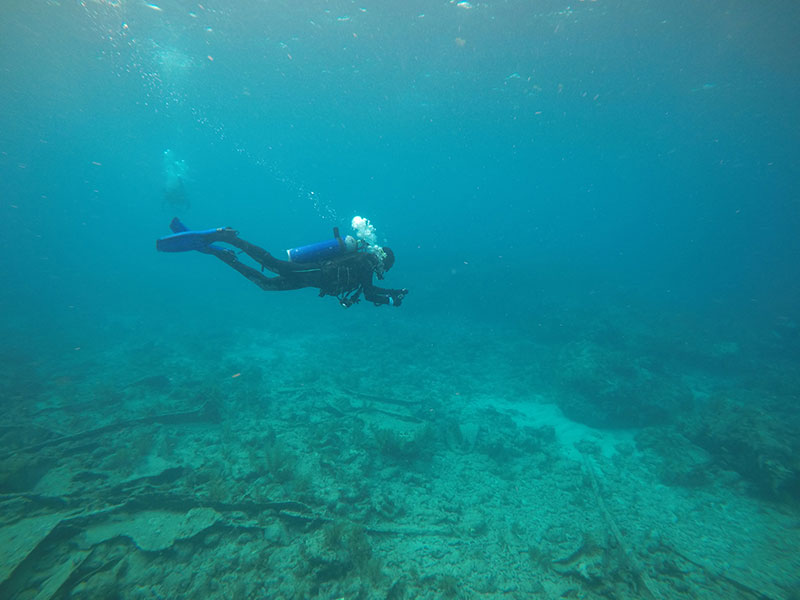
(323, 250)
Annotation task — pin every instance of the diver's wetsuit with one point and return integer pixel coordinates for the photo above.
(345, 276)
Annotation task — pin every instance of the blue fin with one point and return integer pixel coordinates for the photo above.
(177, 226)
(185, 240)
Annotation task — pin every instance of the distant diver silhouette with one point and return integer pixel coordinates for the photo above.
(175, 196)
(175, 170)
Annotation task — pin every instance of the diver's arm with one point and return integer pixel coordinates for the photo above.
(373, 293)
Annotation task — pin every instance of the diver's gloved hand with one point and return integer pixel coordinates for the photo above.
(396, 299)
(348, 302)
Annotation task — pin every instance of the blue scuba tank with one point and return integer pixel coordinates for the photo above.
(322, 250)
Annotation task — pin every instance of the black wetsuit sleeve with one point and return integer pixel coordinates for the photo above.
(373, 293)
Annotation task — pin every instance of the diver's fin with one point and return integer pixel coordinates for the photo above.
(177, 226)
(185, 240)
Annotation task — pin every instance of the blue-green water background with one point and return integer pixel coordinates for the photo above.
(594, 205)
(520, 157)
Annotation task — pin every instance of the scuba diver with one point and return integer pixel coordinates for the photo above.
(175, 197)
(340, 267)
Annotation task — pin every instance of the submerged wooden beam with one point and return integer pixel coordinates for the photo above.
(208, 412)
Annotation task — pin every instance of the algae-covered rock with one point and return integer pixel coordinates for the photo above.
(743, 435)
(681, 462)
(604, 388)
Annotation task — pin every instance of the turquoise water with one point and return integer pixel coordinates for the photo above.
(590, 391)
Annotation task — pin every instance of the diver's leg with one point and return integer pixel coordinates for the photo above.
(264, 258)
(257, 253)
(293, 281)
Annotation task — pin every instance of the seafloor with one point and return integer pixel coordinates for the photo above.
(430, 459)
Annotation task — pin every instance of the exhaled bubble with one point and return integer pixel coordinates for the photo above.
(163, 70)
